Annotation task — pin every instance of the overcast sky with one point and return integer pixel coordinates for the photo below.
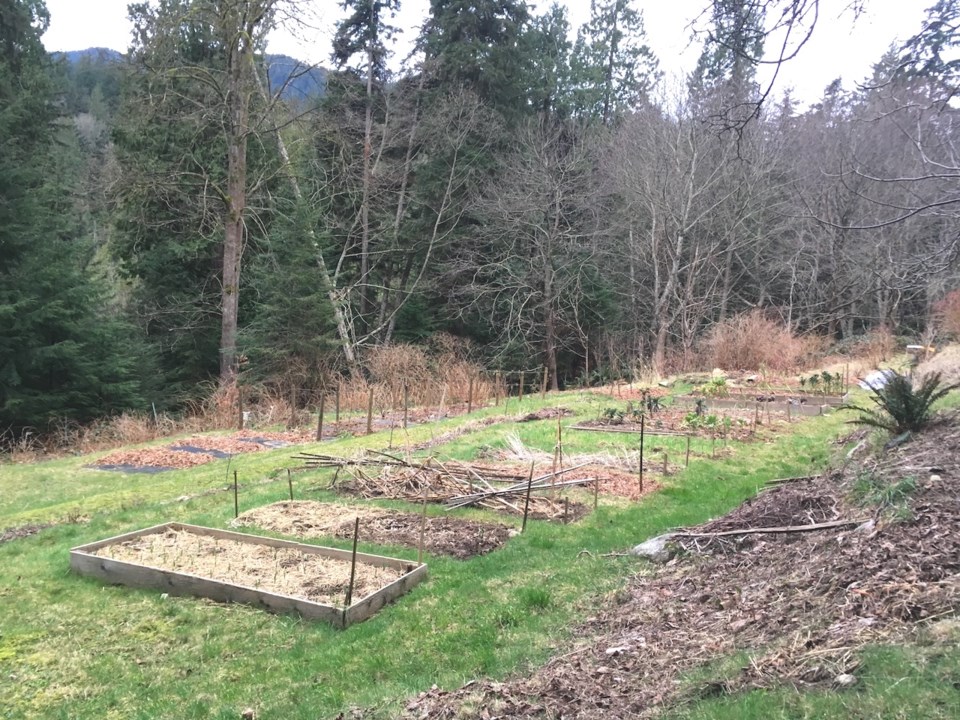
(840, 46)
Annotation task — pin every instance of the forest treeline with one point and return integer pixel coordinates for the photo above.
(177, 218)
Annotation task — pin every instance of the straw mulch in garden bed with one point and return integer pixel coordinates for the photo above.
(457, 537)
(285, 571)
(800, 604)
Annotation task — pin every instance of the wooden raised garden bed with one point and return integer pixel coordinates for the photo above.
(278, 575)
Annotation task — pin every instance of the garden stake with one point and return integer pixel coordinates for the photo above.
(543, 385)
(526, 504)
(320, 420)
(370, 411)
(596, 492)
(292, 422)
(789, 419)
(520, 393)
(406, 404)
(236, 499)
(496, 389)
(336, 416)
(768, 420)
(566, 509)
(686, 462)
(664, 464)
(423, 525)
(470, 397)
(240, 407)
(641, 453)
(290, 483)
(353, 561)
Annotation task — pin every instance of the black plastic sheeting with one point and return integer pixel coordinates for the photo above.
(147, 469)
(220, 454)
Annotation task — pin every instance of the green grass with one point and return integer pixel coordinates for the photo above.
(71, 647)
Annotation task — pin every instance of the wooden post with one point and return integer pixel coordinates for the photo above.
(370, 411)
(423, 524)
(641, 453)
(236, 496)
(686, 462)
(470, 397)
(665, 468)
(336, 416)
(290, 483)
(520, 393)
(543, 384)
(239, 408)
(320, 420)
(526, 504)
(353, 562)
(406, 404)
(292, 422)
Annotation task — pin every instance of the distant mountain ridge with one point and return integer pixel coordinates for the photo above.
(298, 80)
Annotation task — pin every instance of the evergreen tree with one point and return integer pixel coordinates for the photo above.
(62, 353)
(614, 68)
(478, 46)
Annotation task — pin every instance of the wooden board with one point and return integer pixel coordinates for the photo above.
(117, 572)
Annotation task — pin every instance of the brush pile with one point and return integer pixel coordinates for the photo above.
(452, 483)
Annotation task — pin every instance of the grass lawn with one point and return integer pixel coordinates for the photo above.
(71, 647)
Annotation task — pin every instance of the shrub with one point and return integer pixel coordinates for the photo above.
(752, 341)
(901, 408)
(947, 314)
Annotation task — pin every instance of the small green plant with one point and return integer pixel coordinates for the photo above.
(612, 415)
(716, 387)
(900, 408)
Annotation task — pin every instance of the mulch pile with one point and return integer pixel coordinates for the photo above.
(455, 537)
(801, 604)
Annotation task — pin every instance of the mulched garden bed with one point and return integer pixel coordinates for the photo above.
(673, 421)
(198, 450)
(453, 536)
(801, 604)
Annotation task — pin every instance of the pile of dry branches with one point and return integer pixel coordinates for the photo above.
(452, 483)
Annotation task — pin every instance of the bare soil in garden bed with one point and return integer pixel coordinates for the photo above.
(453, 536)
(284, 571)
(21, 531)
(801, 604)
(673, 421)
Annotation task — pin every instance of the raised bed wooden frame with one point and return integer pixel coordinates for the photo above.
(117, 572)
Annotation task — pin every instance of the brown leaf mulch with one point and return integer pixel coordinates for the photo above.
(456, 537)
(799, 604)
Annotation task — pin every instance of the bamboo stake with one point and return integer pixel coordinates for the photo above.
(353, 561)
(641, 452)
(470, 397)
(236, 498)
(596, 492)
(520, 393)
(406, 404)
(789, 419)
(686, 462)
(526, 504)
(290, 483)
(496, 389)
(336, 416)
(543, 384)
(370, 411)
(320, 420)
